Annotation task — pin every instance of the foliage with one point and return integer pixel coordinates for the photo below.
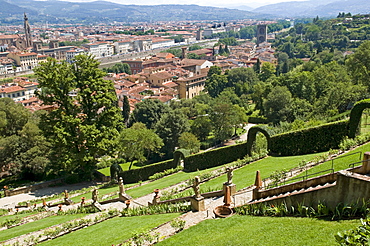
(341, 211)
(310, 140)
(24, 150)
(118, 68)
(178, 224)
(165, 173)
(201, 127)
(215, 157)
(140, 174)
(149, 112)
(169, 128)
(348, 143)
(189, 141)
(156, 209)
(83, 127)
(358, 236)
(136, 141)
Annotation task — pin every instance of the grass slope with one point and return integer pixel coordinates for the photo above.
(36, 225)
(245, 176)
(112, 231)
(340, 163)
(248, 230)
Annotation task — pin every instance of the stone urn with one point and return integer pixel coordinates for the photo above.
(223, 211)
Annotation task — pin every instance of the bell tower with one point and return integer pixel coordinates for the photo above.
(27, 31)
(261, 34)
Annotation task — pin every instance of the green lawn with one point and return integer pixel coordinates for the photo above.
(37, 225)
(13, 216)
(248, 230)
(246, 175)
(125, 166)
(340, 163)
(112, 231)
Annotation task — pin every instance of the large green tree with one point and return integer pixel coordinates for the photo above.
(169, 128)
(85, 120)
(23, 148)
(137, 142)
(359, 64)
(149, 112)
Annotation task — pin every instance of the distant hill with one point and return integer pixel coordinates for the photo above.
(108, 11)
(11, 9)
(328, 8)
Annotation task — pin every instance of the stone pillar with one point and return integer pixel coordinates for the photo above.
(197, 204)
(197, 201)
(227, 197)
(258, 186)
(366, 163)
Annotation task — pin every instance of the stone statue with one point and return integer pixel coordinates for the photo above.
(115, 172)
(121, 186)
(229, 175)
(66, 194)
(95, 194)
(196, 187)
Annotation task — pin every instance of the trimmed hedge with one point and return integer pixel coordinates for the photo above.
(141, 174)
(216, 157)
(257, 120)
(252, 134)
(309, 140)
(355, 116)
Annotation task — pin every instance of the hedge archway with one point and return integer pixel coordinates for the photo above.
(355, 116)
(252, 134)
(180, 154)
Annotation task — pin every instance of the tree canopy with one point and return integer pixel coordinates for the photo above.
(85, 120)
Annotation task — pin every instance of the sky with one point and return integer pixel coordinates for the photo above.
(214, 3)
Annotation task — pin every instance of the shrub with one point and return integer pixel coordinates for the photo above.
(358, 236)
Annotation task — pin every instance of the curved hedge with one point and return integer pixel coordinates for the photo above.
(215, 157)
(180, 154)
(309, 140)
(141, 174)
(355, 116)
(252, 134)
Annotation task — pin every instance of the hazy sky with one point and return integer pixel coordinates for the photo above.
(215, 3)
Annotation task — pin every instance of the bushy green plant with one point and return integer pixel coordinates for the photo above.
(157, 209)
(341, 211)
(356, 237)
(165, 173)
(178, 224)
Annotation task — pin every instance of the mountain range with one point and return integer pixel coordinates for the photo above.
(54, 11)
(312, 8)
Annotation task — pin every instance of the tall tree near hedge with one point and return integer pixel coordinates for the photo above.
(169, 128)
(149, 112)
(81, 128)
(126, 110)
(137, 142)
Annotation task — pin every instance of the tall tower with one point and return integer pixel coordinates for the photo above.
(27, 31)
(261, 34)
